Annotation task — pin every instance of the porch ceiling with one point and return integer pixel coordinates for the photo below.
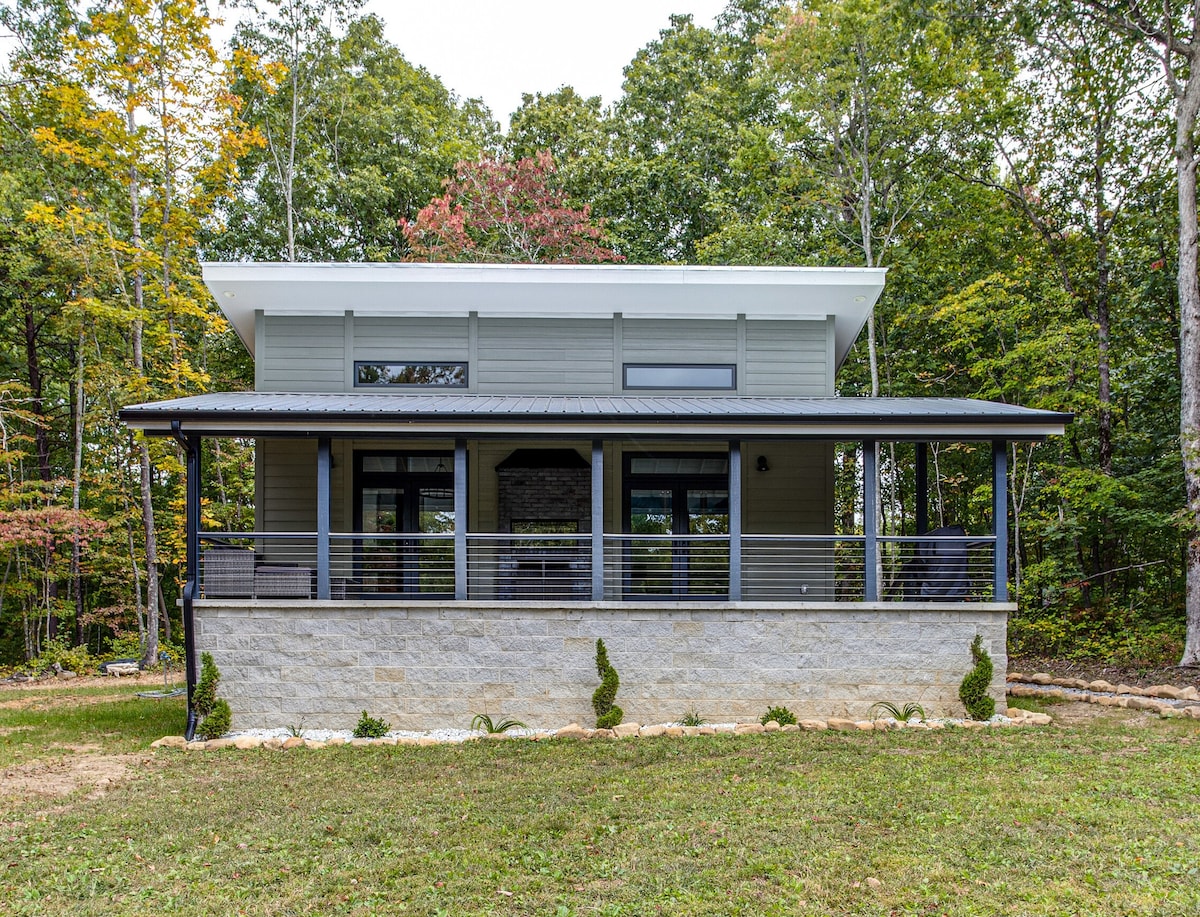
(456, 415)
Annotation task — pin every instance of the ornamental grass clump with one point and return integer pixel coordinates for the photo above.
(973, 691)
(212, 712)
(608, 714)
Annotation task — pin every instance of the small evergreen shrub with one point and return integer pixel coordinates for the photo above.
(213, 713)
(205, 694)
(973, 691)
(371, 727)
(608, 714)
(781, 715)
(217, 723)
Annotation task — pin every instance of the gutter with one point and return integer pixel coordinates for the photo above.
(191, 447)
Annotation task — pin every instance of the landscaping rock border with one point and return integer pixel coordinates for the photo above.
(1012, 717)
(1165, 700)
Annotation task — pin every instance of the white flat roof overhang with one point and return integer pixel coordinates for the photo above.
(844, 294)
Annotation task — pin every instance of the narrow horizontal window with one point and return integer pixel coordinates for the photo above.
(444, 374)
(714, 377)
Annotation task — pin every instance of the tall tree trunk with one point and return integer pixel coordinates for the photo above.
(150, 646)
(1187, 106)
(76, 490)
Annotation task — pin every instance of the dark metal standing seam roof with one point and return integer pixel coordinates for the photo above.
(251, 412)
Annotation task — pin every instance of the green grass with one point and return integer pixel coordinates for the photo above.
(114, 720)
(1100, 820)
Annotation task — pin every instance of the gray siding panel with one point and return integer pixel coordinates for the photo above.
(679, 341)
(786, 358)
(289, 485)
(537, 356)
(431, 339)
(302, 354)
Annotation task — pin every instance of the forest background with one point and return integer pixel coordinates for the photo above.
(1015, 165)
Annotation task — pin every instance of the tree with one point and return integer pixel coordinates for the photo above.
(147, 106)
(357, 138)
(1170, 36)
(506, 212)
(878, 97)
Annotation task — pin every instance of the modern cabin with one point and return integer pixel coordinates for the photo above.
(466, 474)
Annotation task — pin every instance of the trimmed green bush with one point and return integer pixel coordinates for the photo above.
(781, 715)
(608, 714)
(205, 695)
(216, 724)
(973, 691)
(213, 713)
(371, 727)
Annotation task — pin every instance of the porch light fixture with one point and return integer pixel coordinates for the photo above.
(761, 463)
(229, 294)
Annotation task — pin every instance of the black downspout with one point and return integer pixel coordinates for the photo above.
(191, 447)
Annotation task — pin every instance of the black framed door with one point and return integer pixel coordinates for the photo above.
(404, 510)
(679, 504)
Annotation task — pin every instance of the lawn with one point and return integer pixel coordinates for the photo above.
(1097, 819)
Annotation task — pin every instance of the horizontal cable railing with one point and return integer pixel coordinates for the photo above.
(942, 568)
(377, 565)
(263, 565)
(529, 567)
(558, 567)
(803, 568)
(666, 566)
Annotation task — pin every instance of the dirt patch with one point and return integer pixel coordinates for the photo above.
(61, 776)
(1138, 677)
(1076, 713)
(53, 683)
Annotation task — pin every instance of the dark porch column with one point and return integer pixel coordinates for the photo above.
(460, 519)
(1000, 517)
(922, 488)
(324, 470)
(597, 520)
(870, 520)
(735, 521)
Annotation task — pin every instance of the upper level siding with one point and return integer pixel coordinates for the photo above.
(544, 356)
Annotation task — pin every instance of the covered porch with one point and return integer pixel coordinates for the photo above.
(502, 523)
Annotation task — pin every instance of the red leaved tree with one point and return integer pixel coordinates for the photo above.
(506, 212)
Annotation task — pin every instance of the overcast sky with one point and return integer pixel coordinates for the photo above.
(497, 49)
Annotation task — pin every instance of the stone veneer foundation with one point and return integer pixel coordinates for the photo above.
(432, 665)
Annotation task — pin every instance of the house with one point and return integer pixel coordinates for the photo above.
(466, 474)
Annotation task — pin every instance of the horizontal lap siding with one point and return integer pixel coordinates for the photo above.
(289, 485)
(410, 339)
(795, 496)
(678, 341)
(786, 358)
(302, 354)
(536, 356)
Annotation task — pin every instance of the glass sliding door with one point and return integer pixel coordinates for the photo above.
(405, 512)
(677, 526)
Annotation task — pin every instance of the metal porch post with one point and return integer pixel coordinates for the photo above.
(1000, 517)
(324, 470)
(735, 521)
(922, 488)
(597, 520)
(870, 520)
(460, 519)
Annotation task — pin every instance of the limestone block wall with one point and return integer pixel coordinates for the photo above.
(432, 665)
